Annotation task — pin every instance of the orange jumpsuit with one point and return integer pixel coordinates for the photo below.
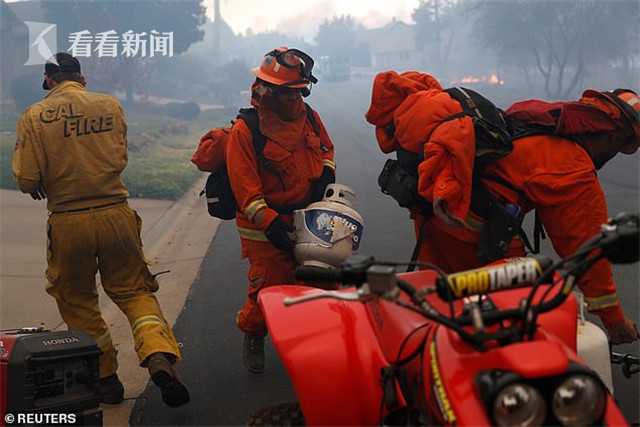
(293, 157)
(556, 177)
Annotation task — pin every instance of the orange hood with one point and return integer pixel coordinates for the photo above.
(415, 104)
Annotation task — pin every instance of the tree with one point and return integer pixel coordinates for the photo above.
(230, 80)
(435, 29)
(560, 40)
(253, 46)
(184, 18)
(337, 38)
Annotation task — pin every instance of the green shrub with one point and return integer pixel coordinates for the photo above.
(159, 175)
(6, 174)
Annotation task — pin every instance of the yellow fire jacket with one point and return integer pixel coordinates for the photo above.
(74, 144)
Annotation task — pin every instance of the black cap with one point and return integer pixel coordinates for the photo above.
(61, 62)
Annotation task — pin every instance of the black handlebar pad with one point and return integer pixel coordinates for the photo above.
(521, 272)
(309, 273)
(622, 244)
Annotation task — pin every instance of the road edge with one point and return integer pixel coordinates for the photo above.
(181, 238)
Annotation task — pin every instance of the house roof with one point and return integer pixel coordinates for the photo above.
(396, 36)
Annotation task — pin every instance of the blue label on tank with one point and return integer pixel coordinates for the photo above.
(321, 224)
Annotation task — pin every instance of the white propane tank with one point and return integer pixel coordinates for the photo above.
(328, 231)
(593, 346)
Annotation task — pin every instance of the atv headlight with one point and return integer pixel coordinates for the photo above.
(579, 401)
(519, 405)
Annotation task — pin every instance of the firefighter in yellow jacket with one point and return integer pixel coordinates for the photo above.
(71, 149)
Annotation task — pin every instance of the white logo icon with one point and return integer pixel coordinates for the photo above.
(43, 42)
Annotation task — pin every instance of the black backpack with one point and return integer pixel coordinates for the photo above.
(221, 202)
(399, 178)
(493, 134)
(494, 137)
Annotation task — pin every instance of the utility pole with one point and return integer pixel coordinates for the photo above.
(217, 24)
(436, 16)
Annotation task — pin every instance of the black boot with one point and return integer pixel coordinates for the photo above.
(111, 390)
(253, 353)
(174, 393)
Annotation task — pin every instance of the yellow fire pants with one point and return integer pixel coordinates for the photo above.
(105, 240)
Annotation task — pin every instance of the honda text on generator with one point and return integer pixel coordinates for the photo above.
(49, 378)
(492, 346)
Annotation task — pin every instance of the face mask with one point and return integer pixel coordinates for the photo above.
(288, 105)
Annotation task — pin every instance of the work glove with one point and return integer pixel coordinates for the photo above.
(320, 185)
(39, 193)
(278, 234)
(622, 332)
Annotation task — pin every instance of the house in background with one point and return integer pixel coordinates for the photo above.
(392, 46)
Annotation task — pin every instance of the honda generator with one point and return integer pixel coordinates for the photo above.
(49, 378)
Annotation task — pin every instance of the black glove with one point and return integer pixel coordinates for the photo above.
(320, 185)
(39, 193)
(278, 234)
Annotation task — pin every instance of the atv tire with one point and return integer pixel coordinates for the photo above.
(283, 414)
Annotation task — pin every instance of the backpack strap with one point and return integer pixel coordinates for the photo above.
(416, 248)
(312, 119)
(315, 125)
(251, 119)
(469, 107)
(538, 233)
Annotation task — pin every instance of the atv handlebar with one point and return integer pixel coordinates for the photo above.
(314, 274)
(630, 364)
(619, 241)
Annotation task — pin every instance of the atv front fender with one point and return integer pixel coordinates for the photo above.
(331, 353)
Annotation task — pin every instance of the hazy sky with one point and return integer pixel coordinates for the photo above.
(302, 17)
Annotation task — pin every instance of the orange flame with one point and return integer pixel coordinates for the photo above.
(492, 80)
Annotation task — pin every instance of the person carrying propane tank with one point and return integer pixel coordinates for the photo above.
(71, 149)
(293, 170)
(468, 208)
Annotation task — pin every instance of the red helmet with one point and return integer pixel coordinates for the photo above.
(286, 67)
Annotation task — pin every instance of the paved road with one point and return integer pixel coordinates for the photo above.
(223, 393)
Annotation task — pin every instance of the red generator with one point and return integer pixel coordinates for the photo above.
(45, 374)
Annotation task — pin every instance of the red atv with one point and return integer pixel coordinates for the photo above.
(492, 346)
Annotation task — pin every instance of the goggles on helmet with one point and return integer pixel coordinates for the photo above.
(627, 110)
(631, 116)
(294, 58)
(283, 90)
